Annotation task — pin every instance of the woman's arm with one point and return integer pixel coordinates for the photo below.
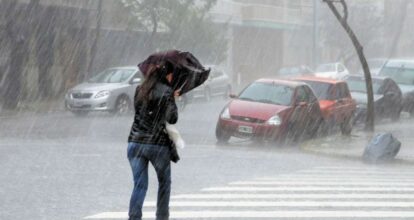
(171, 114)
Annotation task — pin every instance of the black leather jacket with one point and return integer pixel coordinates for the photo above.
(150, 118)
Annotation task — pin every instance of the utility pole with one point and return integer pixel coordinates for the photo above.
(315, 35)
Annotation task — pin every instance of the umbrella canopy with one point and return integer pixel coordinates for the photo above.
(188, 71)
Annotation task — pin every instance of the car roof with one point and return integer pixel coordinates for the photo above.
(318, 79)
(409, 63)
(289, 83)
(373, 77)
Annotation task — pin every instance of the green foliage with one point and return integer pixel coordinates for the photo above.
(180, 24)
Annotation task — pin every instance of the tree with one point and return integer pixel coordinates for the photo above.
(367, 31)
(181, 24)
(343, 20)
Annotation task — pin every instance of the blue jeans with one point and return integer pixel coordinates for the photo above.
(139, 155)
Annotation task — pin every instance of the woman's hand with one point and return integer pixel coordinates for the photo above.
(177, 92)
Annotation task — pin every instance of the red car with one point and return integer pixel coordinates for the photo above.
(270, 109)
(335, 101)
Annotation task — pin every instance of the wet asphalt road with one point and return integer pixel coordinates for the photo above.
(59, 166)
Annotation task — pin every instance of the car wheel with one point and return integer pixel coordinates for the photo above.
(122, 106)
(207, 94)
(222, 135)
(346, 126)
(80, 113)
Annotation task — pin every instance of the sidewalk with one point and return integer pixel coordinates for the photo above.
(353, 146)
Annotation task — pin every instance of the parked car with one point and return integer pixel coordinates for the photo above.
(111, 90)
(332, 70)
(402, 72)
(387, 97)
(335, 101)
(375, 65)
(294, 71)
(270, 109)
(217, 84)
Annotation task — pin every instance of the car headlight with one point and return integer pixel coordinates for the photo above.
(225, 114)
(275, 120)
(102, 94)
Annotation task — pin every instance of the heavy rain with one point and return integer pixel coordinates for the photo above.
(287, 109)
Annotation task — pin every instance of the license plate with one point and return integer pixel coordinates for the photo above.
(77, 104)
(245, 129)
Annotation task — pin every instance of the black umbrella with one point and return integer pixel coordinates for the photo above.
(188, 71)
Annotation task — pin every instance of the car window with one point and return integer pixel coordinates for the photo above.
(323, 91)
(112, 76)
(326, 68)
(312, 97)
(400, 75)
(358, 85)
(342, 91)
(341, 68)
(268, 93)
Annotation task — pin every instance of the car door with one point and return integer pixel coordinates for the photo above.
(344, 105)
(133, 83)
(301, 107)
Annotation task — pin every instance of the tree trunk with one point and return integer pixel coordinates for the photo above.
(369, 123)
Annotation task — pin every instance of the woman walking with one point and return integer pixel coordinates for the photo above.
(148, 140)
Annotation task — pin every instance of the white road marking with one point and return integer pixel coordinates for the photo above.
(323, 183)
(296, 196)
(310, 188)
(322, 189)
(285, 204)
(265, 214)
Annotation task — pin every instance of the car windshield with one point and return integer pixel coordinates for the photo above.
(326, 68)
(112, 76)
(268, 93)
(400, 75)
(358, 85)
(322, 90)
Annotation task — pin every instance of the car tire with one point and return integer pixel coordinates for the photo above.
(346, 126)
(207, 94)
(222, 135)
(122, 105)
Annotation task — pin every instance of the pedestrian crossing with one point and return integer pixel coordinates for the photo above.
(333, 192)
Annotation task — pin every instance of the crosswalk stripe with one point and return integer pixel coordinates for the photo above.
(310, 188)
(371, 172)
(295, 196)
(285, 204)
(324, 183)
(321, 192)
(265, 214)
(333, 177)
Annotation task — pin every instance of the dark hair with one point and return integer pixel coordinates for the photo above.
(155, 73)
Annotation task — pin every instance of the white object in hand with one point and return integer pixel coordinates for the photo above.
(175, 136)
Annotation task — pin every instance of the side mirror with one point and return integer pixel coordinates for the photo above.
(136, 80)
(233, 96)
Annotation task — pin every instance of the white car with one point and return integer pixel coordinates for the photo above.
(332, 70)
(111, 90)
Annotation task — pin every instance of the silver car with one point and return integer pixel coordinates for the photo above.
(217, 84)
(111, 90)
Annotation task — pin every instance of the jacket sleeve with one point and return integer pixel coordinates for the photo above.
(171, 114)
